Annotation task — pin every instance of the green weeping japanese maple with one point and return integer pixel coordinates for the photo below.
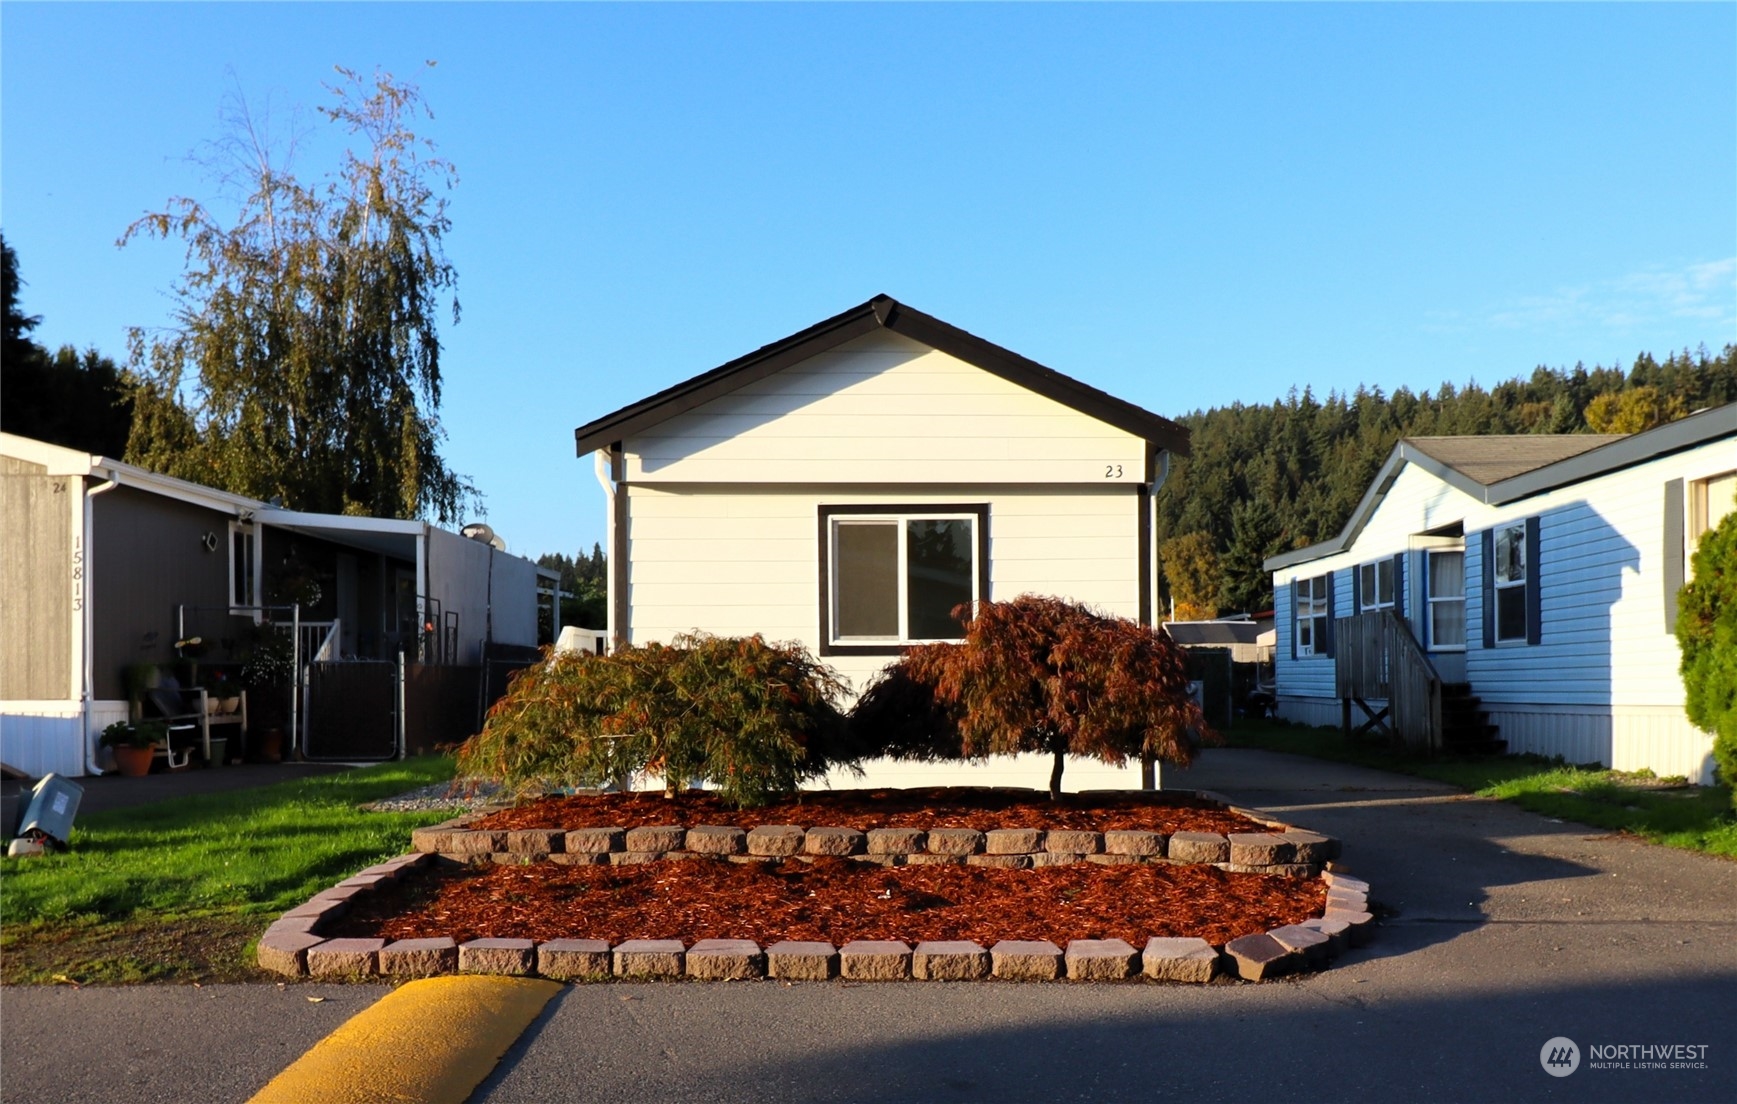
(1035, 674)
(750, 717)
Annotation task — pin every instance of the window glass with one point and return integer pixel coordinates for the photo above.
(240, 566)
(1510, 571)
(1311, 602)
(1375, 585)
(938, 574)
(1447, 599)
(866, 579)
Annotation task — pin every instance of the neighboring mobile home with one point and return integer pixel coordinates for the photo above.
(1534, 578)
(847, 486)
(104, 565)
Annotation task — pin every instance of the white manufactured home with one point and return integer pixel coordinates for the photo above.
(848, 486)
(1527, 583)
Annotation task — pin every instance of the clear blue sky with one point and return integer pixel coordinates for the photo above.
(1185, 205)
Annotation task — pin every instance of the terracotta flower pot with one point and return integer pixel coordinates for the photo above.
(132, 762)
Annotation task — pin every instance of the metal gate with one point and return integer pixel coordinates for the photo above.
(352, 711)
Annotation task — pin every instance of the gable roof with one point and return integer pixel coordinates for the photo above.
(881, 313)
(1505, 469)
(1493, 458)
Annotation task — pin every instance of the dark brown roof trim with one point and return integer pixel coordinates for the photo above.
(881, 312)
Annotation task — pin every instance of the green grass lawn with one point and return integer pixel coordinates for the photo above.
(179, 889)
(1695, 818)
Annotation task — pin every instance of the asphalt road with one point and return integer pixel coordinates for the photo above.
(1506, 930)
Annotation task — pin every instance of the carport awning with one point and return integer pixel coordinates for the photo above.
(387, 536)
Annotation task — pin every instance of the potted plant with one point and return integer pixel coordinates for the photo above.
(221, 690)
(133, 743)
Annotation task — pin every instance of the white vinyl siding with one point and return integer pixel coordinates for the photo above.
(887, 410)
(743, 560)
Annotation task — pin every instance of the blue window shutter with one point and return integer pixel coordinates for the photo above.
(1357, 589)
(1534, 573)
(1399, 584)
(1295, 585)
(1330, 615)
(1672, 558)
(1489, 546)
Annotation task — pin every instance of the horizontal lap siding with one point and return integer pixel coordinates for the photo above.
(1305, 676)
(884, 409)
(738, 561)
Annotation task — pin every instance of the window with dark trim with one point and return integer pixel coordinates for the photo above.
(1375, 586)
(892, 575)
(1312, 607)
(1511, 584)
(243, 590)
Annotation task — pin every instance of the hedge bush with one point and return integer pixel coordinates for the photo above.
(1707, 635)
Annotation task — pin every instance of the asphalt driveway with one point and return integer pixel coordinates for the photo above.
(1504, 930)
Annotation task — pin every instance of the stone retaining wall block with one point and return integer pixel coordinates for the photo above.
(1199, 847)
(1339, 880)
(649, 958)
(955, 841)
(295, 925)
(1311, 847)
(1005, 862)
(1311, 943)
(896, 841)
(936, 860)
(633, 858)
(344, 957)
(949, 960)
(1113, 860)
(1336, 931)
(1068, 841)
(581, 858)
(595, 841)
(466, 842)
(1179, 959)
(513, 957)
(1099, 959)
(874, 960)
(1258, 957)
(562, 959)
(285, 952)
(418, 957)
(1026, 960)
(656, 838)
(1124, 842)
(1260, 849)
(833, 841)
(797, 960)
(1056, 858)
(717, 839)
(536, 841)
(1360, 926)
(775, 840)
(1012, 841)
(726, 959)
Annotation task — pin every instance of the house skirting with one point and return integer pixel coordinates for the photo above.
(39, 737)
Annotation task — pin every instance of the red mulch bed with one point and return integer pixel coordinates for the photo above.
(948, 807)
(835, 900)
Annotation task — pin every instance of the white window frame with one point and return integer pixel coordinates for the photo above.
(1502, 586)
(1310, 609)
(1369, 596)
(1431, 599)
(254, 567)
(1701, 507)
(899, 517)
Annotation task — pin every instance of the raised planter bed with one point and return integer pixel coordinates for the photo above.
(959, 893)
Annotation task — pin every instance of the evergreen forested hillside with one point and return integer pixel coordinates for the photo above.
(1267, 479)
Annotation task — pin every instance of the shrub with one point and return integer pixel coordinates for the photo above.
(1707, 635)
(750, 717)
(1035, 675)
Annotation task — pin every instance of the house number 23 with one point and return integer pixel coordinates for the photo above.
(1112, 471)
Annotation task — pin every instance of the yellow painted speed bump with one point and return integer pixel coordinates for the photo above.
(431, 1042)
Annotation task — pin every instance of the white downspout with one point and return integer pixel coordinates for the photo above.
(601, 465)
(87, 625)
